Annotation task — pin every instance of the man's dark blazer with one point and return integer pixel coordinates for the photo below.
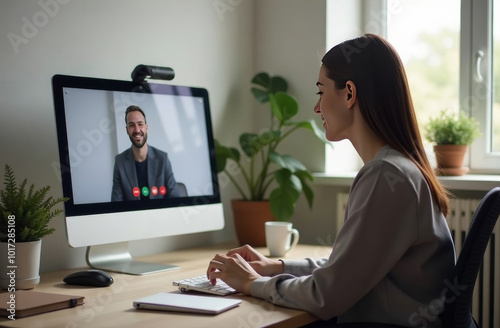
(159, 174)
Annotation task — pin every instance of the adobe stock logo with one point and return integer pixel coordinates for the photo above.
(430, 312)
(31, 27)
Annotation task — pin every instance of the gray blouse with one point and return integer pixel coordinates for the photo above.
(389, 261)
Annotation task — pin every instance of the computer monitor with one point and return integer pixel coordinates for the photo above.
(107, 205)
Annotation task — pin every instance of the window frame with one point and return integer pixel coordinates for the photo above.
(476, 90)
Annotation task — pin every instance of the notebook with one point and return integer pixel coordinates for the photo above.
(23, 303)
(186, 303)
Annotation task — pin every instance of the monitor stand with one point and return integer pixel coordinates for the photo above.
(117, 258)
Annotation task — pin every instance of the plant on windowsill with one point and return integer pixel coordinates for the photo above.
(271, 180)
(451, 134)
(24, 219)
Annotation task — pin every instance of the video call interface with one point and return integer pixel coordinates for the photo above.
(97, 133)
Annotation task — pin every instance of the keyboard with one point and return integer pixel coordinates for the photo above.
(202, 284)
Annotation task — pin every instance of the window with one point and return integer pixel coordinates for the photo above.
(496, 79)
(478, 80)
(428, 43)
(447, 50)
(451, 52)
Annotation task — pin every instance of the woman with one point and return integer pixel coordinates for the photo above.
(394, 251)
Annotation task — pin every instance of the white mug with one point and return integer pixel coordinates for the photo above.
(278, 235)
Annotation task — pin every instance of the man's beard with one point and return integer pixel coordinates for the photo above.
(138, 144)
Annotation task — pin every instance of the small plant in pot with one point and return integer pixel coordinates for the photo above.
(25, 214)
(451, 134)
(272, 182)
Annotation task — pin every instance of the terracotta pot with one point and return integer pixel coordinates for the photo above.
(450, 159)
(249, 221)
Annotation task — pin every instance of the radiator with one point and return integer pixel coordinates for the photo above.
(486, 299)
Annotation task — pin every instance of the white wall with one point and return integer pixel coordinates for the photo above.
(291, 38)
(207, 46)
(216, 44)
(290, 42)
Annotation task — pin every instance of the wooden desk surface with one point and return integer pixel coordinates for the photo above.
(112, 306)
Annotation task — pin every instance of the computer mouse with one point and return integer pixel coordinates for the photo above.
(92, 277)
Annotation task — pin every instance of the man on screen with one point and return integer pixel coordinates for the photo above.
(142, 171)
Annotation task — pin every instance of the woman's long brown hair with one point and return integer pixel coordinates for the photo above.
(384, 99)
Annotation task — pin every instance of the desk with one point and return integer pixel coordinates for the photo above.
(112, 306)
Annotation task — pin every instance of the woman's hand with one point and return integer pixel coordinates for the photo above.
(240, 267)
(261, 264)
(233, 270)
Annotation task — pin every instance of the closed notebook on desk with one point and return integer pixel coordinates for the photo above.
(26, 303)
(186, 303)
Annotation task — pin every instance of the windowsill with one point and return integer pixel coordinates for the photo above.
(467, 182)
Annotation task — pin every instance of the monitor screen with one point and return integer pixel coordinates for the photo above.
(147, 174)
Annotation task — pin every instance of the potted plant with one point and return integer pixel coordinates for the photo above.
(24, 218)
(272, 182)
(451, 134)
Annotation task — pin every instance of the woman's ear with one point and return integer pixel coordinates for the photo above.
(351, 93)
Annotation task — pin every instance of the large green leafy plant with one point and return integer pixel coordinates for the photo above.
(261, 164)
(450, 129)
(27, 212)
